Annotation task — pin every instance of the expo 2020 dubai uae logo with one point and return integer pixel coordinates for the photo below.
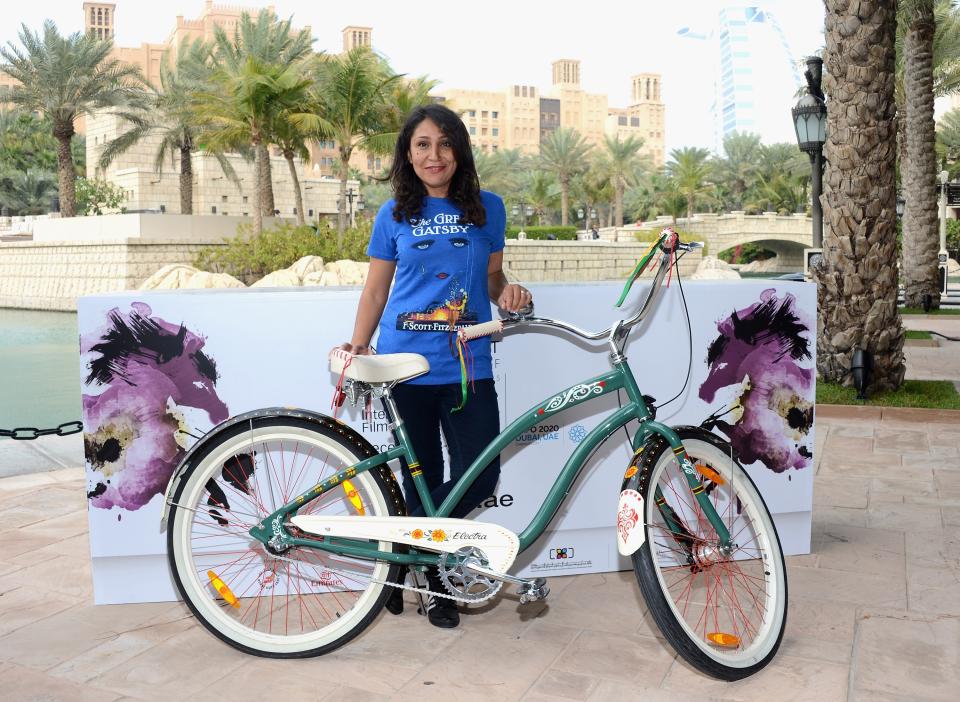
(577, 433)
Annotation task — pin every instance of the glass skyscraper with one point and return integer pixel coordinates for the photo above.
(756, 75)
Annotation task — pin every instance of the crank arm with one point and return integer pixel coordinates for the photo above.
(505, 577)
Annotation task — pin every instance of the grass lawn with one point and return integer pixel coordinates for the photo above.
(931, 394)
(917, 334)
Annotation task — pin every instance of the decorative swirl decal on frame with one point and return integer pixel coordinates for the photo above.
(574, 394)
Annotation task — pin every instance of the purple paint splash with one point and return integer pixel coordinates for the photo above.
(134, 436)
(759, 350)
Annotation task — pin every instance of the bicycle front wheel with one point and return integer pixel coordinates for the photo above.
(290, 604)
(721, 607)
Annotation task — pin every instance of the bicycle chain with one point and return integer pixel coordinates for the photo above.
(430, 593)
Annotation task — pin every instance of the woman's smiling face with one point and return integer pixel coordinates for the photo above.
(431, 155)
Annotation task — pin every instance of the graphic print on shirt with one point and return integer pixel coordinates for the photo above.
(449, 309)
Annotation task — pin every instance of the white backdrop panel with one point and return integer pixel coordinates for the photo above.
(270, 349)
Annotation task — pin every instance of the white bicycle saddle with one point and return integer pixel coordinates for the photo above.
(381, 368)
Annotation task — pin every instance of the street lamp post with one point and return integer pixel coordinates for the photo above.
(352, 195)
(524, 210)
(810, 123)
(942, 255)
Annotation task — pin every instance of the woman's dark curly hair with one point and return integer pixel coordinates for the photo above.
(409, 191)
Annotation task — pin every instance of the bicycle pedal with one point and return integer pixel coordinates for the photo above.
(533, 590)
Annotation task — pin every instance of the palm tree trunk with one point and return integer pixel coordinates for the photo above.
(618, 201)
(297, 194)
(342, 204)
(265, 173)
(186, 180)
(66, 175)
(564, 199)
(857, 280)
(258, 190)
(921, 234)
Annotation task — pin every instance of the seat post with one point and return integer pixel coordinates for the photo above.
(390, 405)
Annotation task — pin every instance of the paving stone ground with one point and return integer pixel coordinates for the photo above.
(874, 609)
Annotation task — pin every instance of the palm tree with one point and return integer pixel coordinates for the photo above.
(857, 281)
(350, 104)
(242, 109)
(540, 193)
(291, 139)
(737, 169)
(273, 45)
(404, 96)
(66, 78)
(622, 162)
(948, 141)
(564, 153)
(500, 171)
(168, 114)
(689, 167)
(918, 170)
(27, 192)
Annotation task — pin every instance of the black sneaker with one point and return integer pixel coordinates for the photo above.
(441, 611)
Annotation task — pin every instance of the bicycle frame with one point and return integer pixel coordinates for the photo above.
(271, 529)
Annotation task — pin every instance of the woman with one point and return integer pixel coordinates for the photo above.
(440, 242)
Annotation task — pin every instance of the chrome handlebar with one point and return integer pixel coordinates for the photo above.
(617, 332)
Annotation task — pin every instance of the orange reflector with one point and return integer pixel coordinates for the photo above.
(725, 640)
(354, 497)
(221, 587)
(710, 474)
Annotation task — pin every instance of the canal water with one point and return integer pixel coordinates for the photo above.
(39, 369)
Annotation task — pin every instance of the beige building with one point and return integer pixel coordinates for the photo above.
(213, 193)
(520, 117)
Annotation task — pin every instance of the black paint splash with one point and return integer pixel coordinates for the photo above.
(145, 338)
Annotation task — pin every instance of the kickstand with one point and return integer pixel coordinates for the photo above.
(415, 577)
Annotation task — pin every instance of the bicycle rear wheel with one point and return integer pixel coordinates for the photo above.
(301, 602)
(722, 609)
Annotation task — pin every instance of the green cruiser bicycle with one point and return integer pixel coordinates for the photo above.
(286, 529)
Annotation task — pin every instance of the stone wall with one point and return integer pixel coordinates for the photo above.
(566, 261)
(785, 235)
(51, 275)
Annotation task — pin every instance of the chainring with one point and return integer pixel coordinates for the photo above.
(463, 584)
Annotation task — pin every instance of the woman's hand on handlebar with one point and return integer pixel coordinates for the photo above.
(514, 298)
(355, 349)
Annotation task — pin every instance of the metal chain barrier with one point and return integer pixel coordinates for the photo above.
(29, 433)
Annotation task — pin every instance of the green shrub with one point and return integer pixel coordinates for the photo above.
(953, 238)
(648, 236)
(561, 233)
(745, 253)
(250, 257)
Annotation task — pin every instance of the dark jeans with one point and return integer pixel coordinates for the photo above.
(425, 410)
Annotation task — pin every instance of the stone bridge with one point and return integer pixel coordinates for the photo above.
(787, 236)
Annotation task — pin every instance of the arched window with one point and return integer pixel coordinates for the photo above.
(648, 88)
(99, 18)
(106, 16)
(93, 16)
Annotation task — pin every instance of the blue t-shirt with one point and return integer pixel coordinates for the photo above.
(440, 283)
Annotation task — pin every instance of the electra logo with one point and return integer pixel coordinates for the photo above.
(561, 553)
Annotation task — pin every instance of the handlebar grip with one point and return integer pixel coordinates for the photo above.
(475, 331)
(670, 240)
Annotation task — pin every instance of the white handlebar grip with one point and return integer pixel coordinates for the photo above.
(484, 329)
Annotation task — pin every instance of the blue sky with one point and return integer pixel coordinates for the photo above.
(498, 43)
